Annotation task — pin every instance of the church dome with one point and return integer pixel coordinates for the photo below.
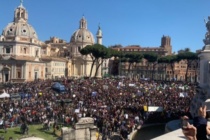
(19, 26)
(82, 35)
(14, 29)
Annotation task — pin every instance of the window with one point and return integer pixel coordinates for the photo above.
(79, 48)
(24, 50)
(19, 74)
(22, 15)
(24, 32)
(7, 50)
(37, 52)
(29, 74)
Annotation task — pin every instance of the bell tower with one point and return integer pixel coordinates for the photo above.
(83, 23)
(166, 44)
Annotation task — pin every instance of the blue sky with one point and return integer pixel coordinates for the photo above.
(125, 22)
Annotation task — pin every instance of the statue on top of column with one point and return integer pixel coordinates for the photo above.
(207, 36)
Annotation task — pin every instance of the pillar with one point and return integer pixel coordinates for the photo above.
(3, 77)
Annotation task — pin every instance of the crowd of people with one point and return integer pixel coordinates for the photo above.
(116, 104)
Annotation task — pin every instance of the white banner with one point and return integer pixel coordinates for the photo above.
(131, 85)
(183, 94)
(155, 109)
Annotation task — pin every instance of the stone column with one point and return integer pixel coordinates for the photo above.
(82, 69)
(22, 72)
(12, 71)
(3, 80)
(9, 75)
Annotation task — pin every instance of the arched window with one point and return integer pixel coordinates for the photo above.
(8, 50)
(22, 15)
(18, 15)
(24, 50)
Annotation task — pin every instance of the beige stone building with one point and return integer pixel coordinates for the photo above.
(161, 71)
(76, 64)
(81, 65)
(20, 50)
(23, 57)
(180, 68)
(142, 69)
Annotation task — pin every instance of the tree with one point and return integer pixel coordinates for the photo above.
(163, 60)
(104, 53)
(88, 51)
(133, 58)
(151, 59)
(189, 57)
(169, 59)
(114, 53)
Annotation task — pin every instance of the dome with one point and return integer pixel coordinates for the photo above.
(20, 26)
(82, 34)
(14, 29)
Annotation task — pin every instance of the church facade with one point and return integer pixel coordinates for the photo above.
(81, 65)
(23, 57)
(20, 50)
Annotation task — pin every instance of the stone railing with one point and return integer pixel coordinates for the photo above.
(174, 135)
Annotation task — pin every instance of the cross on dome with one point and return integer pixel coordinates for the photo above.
(21, 2)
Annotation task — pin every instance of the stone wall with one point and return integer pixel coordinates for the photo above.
(84, 130)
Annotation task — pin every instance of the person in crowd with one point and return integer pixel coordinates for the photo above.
(117, 105)
(200, 128)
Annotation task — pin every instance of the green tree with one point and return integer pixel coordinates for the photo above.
(170, 60)
(87, 50)
(151, 61)
(189, 57)
(96, 52)
(163, 61)
(103, 53)
(133, 59)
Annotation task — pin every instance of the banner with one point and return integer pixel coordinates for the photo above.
(131, 85)
(183, 94)
(155, 109)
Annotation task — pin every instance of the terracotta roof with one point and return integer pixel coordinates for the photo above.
(133, 47)
(138, 48)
